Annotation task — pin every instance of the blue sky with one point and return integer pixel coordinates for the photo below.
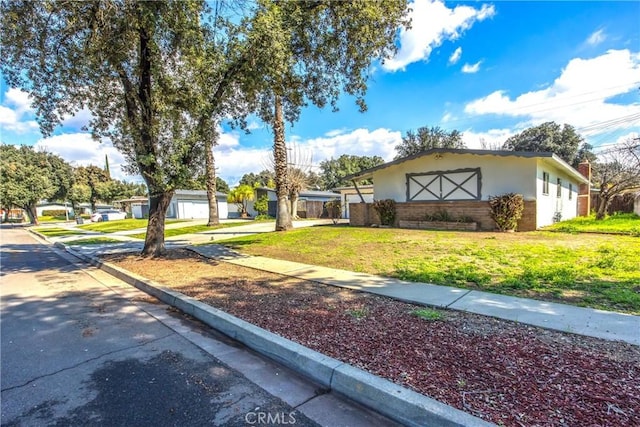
(487, 69)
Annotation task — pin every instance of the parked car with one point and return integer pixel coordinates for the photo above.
(107, 215)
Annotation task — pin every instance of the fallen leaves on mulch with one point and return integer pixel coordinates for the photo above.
(503, 372)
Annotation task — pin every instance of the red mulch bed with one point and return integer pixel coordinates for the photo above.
(503, 372)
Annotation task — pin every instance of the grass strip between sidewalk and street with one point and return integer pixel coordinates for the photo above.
(193, 229)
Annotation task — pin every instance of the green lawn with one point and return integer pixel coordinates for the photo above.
(595, 270)
(191, 229)
(94, 241)
(49, 218)
(120, 225)
(627, 223)
(56, 231)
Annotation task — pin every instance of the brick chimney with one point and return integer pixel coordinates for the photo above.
(584, 190)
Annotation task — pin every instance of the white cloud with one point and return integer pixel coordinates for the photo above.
(16, 115)
(471, 68)
(236, 161)
(227, 140)
(596, 38)
(432, 23)
(79, 149)
(19, 100)
(455, 56)
(579, 96)
(78, 120)
(492, 138)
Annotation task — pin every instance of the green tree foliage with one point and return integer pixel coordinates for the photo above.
(266, 178)
(313, 52)
(563, 141)
(28, 177)
(426, 139)
(134, 65)
(98, 182)
(241, 196)
(333, 171)
(617, 171)
(79, 193)
(221, 185)
(262, 205)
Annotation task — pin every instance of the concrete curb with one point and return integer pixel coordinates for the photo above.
(398, 403)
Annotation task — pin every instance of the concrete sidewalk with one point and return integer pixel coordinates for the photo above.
(562, 317)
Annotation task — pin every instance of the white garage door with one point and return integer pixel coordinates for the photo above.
(193, 210)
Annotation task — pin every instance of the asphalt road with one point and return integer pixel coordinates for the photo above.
(79, 348)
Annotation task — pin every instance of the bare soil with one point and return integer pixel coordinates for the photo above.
(504, 372)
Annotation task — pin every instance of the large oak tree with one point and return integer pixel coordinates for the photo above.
(132, 64)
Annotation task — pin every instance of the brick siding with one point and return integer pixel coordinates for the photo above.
(363, 214)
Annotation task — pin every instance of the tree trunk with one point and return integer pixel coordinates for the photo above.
(283, 218)
(293, 197)
(154, 241)
(211, 184)
(601, 213)
(32, 213)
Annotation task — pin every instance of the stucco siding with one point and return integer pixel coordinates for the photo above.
(550, 207)
(497, 176)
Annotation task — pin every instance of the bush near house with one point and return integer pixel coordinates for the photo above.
(54, 212)
(386, 209)
(506, 210)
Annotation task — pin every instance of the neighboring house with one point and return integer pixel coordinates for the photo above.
(85, 208)
(305, 210)
(193, 204)
(348, 195)
(461, 181)
(135, 207)
(46, 206)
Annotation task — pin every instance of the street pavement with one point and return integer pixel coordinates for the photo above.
(80, 347)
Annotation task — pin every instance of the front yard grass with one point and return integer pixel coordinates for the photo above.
(594, 270)
(622, 223)
(56, 231)
(192, 229)
(120, 225)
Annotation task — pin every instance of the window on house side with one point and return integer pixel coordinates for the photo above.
(570, 191)
(545, 183)
(559, 188)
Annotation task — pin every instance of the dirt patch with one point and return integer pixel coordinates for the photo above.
(504, 372)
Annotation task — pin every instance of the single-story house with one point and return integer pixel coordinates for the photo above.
(313, 209)
(348, 195)
(460, 182)
(135, 207)
(193, 204)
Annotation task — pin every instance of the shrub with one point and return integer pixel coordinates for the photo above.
(506, 210)
(262, 205)
(54, 212)
(441, 215)
(386, 209)
(334, 210)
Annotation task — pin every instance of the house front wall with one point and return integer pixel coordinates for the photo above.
(464, 177)
(194, 208)
(556, 193)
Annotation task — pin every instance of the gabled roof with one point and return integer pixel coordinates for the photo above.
(551, 157)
